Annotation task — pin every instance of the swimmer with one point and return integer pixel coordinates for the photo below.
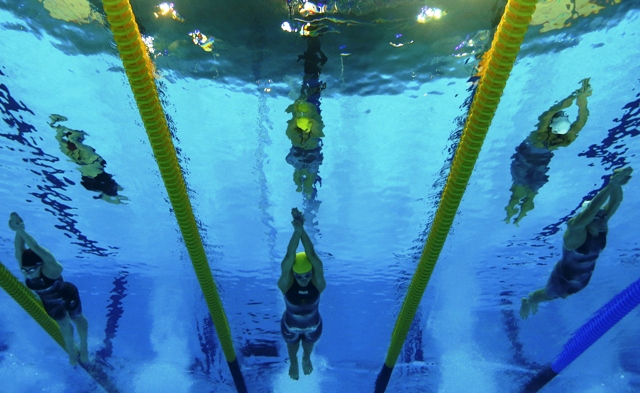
(301, 283)
(61, 301)
(530, 163)
(583, 241)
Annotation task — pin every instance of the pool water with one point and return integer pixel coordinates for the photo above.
(390, 99)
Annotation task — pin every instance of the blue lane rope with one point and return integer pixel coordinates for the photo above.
(603, 320)
(598, 325)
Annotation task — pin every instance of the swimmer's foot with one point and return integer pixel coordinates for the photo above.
(534, 307)
(307, 367)
(524, 308)
(73, 356)
(84, 355)
(293, 369)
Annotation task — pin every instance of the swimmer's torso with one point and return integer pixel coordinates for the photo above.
(302, 306)
(582, 260)
(47, 288)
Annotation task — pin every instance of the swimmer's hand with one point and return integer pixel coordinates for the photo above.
(15, 222)
(621, 176)
(298, 220)
(585, 90)
(297, 215)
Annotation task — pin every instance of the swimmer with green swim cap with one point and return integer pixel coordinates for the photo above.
(301, 282)
(302, 264)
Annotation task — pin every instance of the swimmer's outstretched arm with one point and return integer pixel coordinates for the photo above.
(316, 262)
(585, 217)
(52, 267)
(611, 192)
(614, 201)
(19, 248)
(583, 112)
(286, 276)
(544, 121)
(619, 178)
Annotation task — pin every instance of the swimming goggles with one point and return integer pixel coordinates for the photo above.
(305, 276)
(31, 269)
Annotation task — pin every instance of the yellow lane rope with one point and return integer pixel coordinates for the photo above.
(494, 71)
(32, 305)
(139, 70)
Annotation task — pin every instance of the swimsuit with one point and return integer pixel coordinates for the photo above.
(301, 158)
(58, 297)
(530, 165)
(301, 319)
(573, 272)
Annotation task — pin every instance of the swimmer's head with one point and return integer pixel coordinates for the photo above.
(598, 223)
(560, 123)
(302, 269)
(304, 124)
(31, 264)
(30, 258)
(302, 264)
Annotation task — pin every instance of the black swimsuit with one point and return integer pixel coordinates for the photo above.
(58, 297)
(573, 272)
(301, 319)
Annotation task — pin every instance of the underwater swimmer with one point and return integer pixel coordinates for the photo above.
(583, 241)
(60, 299)
(301, 283)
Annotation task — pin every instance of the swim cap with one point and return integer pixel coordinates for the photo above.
(30, 258)
(560, 124)
(302, 263)
(304, 124)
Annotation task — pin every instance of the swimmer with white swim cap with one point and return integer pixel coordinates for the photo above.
(530, 163)
(560, 123)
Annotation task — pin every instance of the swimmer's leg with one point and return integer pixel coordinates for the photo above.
(307, 367)
(294, 373)
(309, 181)
(531, 303)
(67, 333)
(83, 330)
(517, 193)
(297, 179)
(526, 205)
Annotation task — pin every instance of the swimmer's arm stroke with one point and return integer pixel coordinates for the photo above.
(316, 262)
(576, 227)
(19, 248)
(544, 121)
(286, 276)
(614, 201)
(583, 112)
(51, 267)
(584, 218)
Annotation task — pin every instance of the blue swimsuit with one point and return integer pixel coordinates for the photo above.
(573, 272)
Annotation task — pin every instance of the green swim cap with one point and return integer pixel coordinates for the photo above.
(302, 263)
(304, 124)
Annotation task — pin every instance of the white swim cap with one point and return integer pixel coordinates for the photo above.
(560, 125)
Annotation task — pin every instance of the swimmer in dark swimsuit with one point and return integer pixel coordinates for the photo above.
(43, 274)
(584, 239)
(301, 283)
(530, 163)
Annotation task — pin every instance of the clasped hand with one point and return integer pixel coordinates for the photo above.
(15, 222)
